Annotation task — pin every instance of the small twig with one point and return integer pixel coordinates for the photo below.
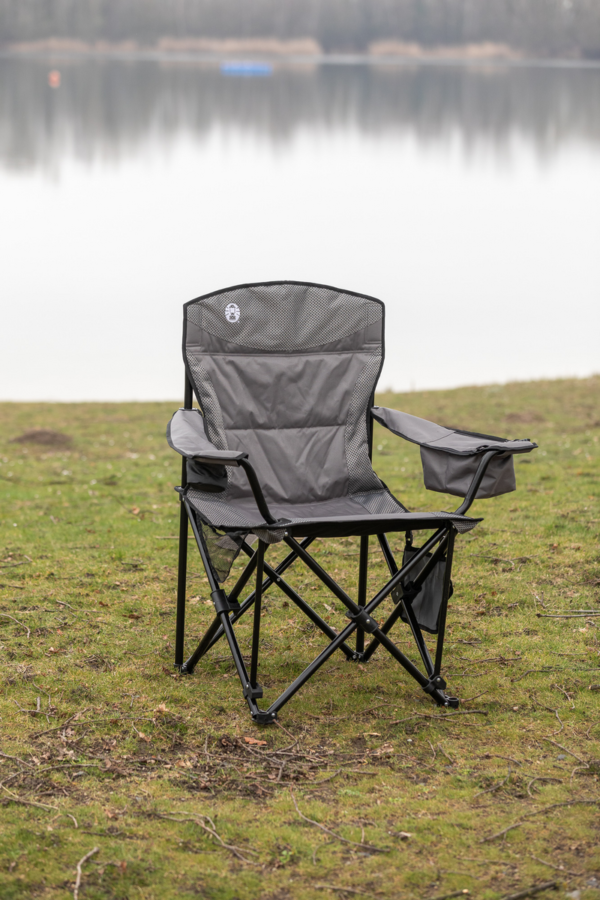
(210, 829)
(449, 758)
(570, 752)
(529, 892)
(539, 778)
(499, 834)
(509, 758)
(432, 750)
(537, 812)
(279, 725)
(496, 787)
(567, 615)
(448, 715)
(558, 868)
(341, 890)
(30, 712)
(329, 777)
(332, 833)
(17, 799)
(62, 603)
(476, 697)
(6, 616)
(72, 724)
(79, 865)
(462, 893)
(18, 759)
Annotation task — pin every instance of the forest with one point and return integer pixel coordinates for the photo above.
(555, 28)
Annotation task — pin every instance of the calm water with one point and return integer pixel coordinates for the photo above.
(468, 199)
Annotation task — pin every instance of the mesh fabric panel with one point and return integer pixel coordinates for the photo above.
(284, 317)
(211, 410)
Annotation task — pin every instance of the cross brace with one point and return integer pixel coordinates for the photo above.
(402, 587)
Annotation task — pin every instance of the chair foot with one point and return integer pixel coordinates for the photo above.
(185, 669)
(435, 688)
(264, 718)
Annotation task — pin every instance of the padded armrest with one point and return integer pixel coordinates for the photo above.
(451, 458)
(428, 434)
(186, 435)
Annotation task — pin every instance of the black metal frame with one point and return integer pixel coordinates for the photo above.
(228, 609)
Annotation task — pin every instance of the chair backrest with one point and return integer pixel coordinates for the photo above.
(286, 371)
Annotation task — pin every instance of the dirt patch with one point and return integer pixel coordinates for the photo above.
(44, 437)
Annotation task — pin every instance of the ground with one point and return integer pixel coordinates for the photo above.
(105, 748)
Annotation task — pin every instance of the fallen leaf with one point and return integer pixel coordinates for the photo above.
(135, 510)
(251, 740)
(161, 708)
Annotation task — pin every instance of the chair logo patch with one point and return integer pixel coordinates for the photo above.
(232, 312)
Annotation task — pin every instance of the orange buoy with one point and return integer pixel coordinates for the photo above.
(54, 78)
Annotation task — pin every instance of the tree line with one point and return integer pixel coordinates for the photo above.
(548, 27)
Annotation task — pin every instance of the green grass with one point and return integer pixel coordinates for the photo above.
(89, 569)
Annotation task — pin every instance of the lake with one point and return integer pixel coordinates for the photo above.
(467, 198)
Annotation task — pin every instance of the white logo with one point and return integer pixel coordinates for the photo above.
(232, 312)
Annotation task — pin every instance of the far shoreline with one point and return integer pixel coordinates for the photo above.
(283, 54)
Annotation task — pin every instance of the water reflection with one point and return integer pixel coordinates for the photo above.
(112, 109)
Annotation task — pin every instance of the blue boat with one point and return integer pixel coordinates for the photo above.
(246, 68)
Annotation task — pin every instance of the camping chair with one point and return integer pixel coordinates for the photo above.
(280, 451)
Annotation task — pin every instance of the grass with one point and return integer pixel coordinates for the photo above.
(105, 747)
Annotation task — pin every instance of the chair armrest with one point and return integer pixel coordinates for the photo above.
(428, 434)
(187, 436)
(463, 463)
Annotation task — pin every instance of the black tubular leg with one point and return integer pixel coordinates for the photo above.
(362, 587)
(439, 652)
(395, 614)
(400, 657)
(387, 552)
(320, 572)
(239, 663)
(243, 579)
(183, 548)
(210, 636)
(245, 606)
(310, 670)
(181, 584)
(190, 664)
(257, 611)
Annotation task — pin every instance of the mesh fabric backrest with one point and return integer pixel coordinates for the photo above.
(285, 371)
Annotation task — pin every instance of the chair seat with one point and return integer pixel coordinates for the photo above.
(375, 512)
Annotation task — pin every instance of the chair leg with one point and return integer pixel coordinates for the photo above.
(362, 588)
(256, 630)
(181, 585)
(444, 607)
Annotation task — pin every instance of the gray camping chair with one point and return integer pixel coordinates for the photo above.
(280, 450)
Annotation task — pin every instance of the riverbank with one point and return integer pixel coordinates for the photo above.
(105, 746)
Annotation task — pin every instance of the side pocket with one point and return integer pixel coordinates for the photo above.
(426, 605)
(209, 479)
(452, 473)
